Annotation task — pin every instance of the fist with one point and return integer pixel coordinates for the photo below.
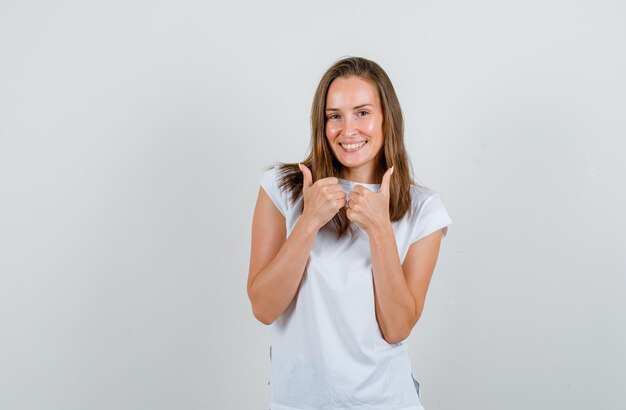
(367, 209)
(322, 199)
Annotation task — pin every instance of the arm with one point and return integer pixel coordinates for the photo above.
(400, 290)
(277, 263)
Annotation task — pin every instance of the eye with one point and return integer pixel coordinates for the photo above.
(365, 112)
(332, 116)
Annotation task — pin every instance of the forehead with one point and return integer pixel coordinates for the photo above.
(351, 91)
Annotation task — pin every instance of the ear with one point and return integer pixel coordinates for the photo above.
(384, 185)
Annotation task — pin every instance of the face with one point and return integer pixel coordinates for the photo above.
(354, 120)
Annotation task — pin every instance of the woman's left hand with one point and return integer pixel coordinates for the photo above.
(368, 209)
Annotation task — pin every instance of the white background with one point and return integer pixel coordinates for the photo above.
(133, 135)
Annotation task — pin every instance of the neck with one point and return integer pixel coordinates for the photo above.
(363, 176)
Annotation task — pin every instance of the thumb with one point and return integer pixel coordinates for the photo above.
(384, 185)
(307, 178)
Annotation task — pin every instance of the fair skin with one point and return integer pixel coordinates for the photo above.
(354, 116)
(277, 262)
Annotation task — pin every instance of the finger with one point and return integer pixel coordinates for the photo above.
(331, 191)
(354, 195)
(333, 188)
(352, 204)
(384, 185)
(328, 181)
(307, 178)
(360, 189)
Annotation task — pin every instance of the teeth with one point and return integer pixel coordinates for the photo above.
(353, 146)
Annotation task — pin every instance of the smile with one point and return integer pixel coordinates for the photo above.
(353, 147)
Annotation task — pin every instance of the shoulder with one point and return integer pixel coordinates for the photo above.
(278, 182)
(428, 212)
(426, 203)
(270, 174)
(279, 175)
(420, 195)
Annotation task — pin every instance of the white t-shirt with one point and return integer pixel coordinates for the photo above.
(327, 350)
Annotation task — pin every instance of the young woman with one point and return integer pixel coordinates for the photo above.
(344, 245)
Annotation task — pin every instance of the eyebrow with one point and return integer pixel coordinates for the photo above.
(358, 106)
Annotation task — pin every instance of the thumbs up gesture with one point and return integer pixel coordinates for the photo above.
(322, 199)
(368, 209)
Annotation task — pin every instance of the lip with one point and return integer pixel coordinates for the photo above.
(352, 142)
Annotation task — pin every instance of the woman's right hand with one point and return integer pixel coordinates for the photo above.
(322, 199)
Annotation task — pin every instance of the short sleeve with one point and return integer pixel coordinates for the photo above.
(431, 217)
(269, 182)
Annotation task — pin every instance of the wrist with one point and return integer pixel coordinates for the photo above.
(381, 231)
(308, 224)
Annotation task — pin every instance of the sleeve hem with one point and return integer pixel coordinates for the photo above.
(439, 220)
(269, 184)
(276, 205)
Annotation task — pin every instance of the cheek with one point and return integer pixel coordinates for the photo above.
(373, 127)
(331, 130)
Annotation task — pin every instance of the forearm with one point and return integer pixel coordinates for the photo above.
(395, 306)
(275, 287)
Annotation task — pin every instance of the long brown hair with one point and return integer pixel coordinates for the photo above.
(320, 159)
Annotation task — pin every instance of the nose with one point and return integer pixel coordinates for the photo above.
(350, 127)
